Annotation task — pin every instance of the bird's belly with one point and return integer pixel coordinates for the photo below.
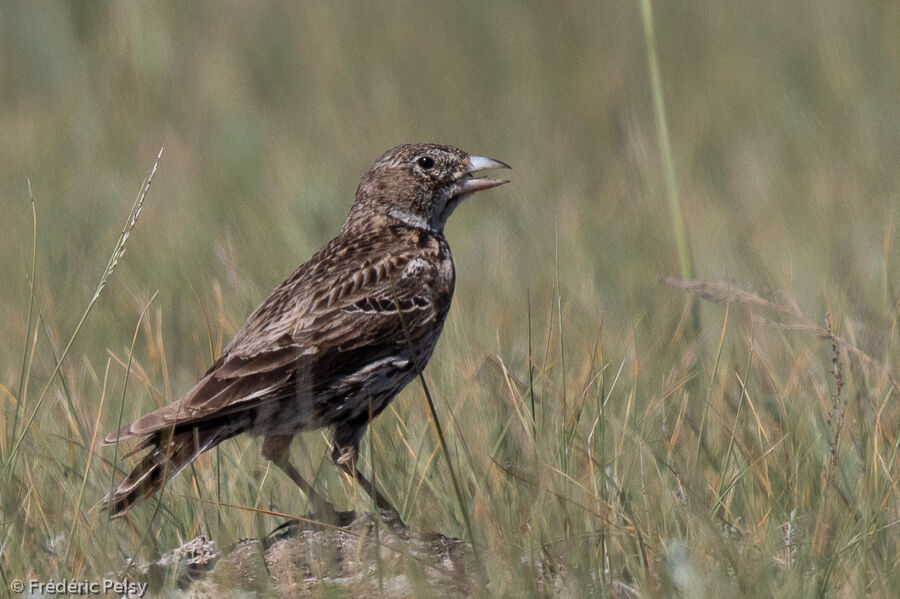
(349, 398)
(369, 390)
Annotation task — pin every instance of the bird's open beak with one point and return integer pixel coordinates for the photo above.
(476, 164)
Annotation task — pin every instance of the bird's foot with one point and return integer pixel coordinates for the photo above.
(336, 518)
(328, 516)
(325, 513)
(311, 521)
(391, 518)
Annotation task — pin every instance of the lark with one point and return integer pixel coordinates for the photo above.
(336, 341)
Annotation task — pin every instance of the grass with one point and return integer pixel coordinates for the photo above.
(596, 433)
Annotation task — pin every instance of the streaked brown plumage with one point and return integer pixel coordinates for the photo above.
(327, 347)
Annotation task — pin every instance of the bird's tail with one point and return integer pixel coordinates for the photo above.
(170, 451)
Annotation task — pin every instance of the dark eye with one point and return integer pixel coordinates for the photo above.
(425, 162)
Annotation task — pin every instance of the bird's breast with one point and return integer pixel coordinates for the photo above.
(445, 281)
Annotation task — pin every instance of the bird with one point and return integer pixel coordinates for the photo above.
(333, 344)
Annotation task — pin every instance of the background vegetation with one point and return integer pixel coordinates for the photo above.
(746, 457)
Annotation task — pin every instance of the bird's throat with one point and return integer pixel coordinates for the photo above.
(416, 221)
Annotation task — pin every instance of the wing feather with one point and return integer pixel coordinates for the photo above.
(331, 317)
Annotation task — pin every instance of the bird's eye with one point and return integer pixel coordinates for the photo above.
(425, 162)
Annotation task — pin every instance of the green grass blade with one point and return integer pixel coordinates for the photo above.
(117, 253)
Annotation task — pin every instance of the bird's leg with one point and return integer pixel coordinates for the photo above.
(275, 449)
(345, 458)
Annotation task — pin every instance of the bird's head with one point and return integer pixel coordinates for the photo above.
(421, 184)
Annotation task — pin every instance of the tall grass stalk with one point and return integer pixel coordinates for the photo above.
(117, 253)
(712, 381)
(134, 337)
(685, 262)
(25, 371)
(457, 488)
(76, 511)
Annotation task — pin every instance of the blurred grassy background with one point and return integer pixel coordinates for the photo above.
(786, 141)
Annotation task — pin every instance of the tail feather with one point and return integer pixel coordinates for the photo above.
(170, 452)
